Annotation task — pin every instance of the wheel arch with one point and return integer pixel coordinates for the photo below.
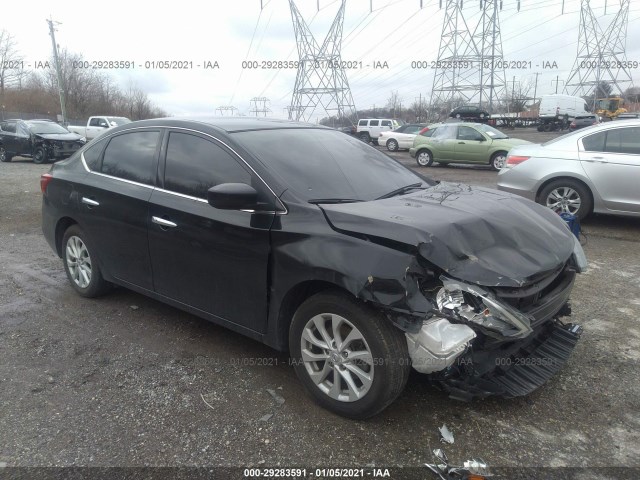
(61, 226)
(292, 300)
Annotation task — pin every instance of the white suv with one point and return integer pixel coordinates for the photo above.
(370, 129)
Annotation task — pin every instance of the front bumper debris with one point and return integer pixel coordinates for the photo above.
(518, 373)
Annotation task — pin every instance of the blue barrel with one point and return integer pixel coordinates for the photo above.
(573, 222)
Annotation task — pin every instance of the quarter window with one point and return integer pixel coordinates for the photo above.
(595, 142)
(92, 155)
(131, 156)
(194, 165)
(362, 123)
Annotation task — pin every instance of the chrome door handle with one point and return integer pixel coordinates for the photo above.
(163, 223)
(90, 202)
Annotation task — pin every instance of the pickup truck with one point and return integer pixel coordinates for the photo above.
(97, 125)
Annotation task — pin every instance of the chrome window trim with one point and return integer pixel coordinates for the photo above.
(277, 212)
(122, 179)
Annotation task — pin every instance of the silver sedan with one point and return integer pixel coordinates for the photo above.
(596, 169)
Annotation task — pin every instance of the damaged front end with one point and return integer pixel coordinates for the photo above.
(478, 341)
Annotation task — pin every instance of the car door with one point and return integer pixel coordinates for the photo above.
(9, 137)
(471, 145)
(210, 259)
(96, 126)
(114, 202)
(374, 128)
(443, 141)
(386, 126)
(22, 140)
(611, 159)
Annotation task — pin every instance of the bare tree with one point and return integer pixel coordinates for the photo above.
(11, 62)
(393, 102)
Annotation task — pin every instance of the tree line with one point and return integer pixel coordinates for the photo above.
(87, 92)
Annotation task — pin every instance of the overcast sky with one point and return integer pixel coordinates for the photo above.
(229, 32)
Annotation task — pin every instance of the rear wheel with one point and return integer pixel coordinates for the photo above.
(365, 137)
(348, 356)
(392, 145)
(4, 156)
(424, 158)
(81, 265)
(40, 155)
(567, 196)
(498, 160)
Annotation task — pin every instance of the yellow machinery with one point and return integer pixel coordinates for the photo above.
(610, 107)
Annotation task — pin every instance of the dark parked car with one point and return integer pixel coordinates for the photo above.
(42, 140)
(584, 121)
(313, 242)
(470, 112)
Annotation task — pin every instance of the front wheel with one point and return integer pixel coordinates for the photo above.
(392, 145)
(567, 196)
(424, 158)
(40, 155)
(498, 160)
(81, 265)
(348, 356)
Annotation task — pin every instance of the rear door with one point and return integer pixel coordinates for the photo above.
(213, 260)
(611, 159)
(444, 142)
(409, 132)
(114, 202)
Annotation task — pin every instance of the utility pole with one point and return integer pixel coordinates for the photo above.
(535, 89)
(58, 71)
(557, 81)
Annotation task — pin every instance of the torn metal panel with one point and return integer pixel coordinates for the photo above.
(480, 235)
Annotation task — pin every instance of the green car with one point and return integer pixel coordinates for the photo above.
(463, 143)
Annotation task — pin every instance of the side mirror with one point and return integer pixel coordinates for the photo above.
(232, 196)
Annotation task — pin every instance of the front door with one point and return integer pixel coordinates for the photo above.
(213, 260)
(471, 146)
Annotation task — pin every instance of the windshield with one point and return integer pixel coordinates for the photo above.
(46, 127)
(320, 164)
(492, 132)
(118, 120)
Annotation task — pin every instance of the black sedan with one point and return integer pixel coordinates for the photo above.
(42, 140)
(313, 242)
(470, 112)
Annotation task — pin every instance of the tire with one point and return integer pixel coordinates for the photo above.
(81, 265)
(424, 158)
(378, 381)
(374, 141)
(365, 137)
(392, 145)
(540, 128)
(40, 155)
(547, 127)
(498, 160)
(4, 156)
(567, 196)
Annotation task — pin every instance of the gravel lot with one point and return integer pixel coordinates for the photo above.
(128, 381)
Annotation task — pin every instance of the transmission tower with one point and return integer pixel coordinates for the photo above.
(259, 106)
(470, 57)
(601, 55)
(225, 109)
(321, 80)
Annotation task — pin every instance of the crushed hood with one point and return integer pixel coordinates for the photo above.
(65, 137)
(475, 234)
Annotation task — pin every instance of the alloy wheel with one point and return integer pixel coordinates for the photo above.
(337, 357)
(392, 145)
(499, 161)
(78, 262)
(564, 200)
(424, 159)
(3, 154)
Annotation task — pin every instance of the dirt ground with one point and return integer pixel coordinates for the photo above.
(127, 381)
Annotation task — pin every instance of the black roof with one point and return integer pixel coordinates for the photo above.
(239, 124)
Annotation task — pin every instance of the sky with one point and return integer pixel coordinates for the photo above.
(397, 32)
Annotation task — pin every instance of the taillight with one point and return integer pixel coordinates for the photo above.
(45, 178)
(573, 125)
(513, 160)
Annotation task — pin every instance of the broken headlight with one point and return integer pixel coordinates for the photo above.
(472, 304)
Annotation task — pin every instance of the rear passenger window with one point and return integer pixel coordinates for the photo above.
(623, 140)
(92, 155)
(595, 142)
(195, 164)
(373, 123)
(131, 156)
